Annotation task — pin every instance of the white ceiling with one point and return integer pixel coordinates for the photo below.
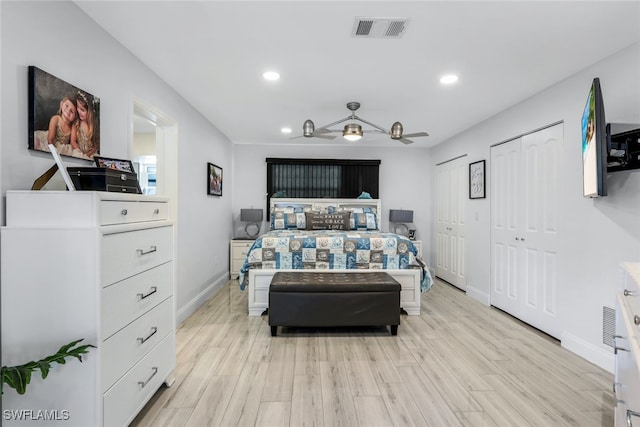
(214, 54)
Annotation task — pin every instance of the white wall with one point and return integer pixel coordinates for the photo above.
(144, 144)
(595, 234)
(404, 178)
(60, 39)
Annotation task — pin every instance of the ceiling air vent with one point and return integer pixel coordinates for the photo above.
(381, 28)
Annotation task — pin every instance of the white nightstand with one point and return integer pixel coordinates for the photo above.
(418, 245)
(238, 249)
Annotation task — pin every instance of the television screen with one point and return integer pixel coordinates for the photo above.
(594, 144)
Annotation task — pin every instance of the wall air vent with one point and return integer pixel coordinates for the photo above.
(608, 326)
(380, 28)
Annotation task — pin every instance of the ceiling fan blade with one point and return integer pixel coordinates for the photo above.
(323, 131)
(411, 135)
(323, 136)
(406, 141)
(315, 135)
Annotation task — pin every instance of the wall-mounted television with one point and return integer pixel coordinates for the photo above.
(623, 146)
(594, 144)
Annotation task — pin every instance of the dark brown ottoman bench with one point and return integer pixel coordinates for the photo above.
(319, 299)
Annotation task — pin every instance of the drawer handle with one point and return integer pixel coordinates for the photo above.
(143, 252)
(154, 329)
(636, 320)
(123, 212)
(154, 289)
(156, 211)
(630, 414)
(628, 293)
(143, 384)
(615, 350)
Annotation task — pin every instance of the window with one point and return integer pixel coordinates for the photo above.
(321, 178)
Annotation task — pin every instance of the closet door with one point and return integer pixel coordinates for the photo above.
(459, 195)
(539, 234)
(506, 200)
(524, 228)
(451, 178)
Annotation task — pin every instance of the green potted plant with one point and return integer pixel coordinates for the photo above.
(18, 377)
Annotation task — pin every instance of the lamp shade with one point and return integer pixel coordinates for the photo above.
(398, 215)
(251, 215)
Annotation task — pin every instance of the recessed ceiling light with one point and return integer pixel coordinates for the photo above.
(448, 79)
(271, 75)
(285, 130)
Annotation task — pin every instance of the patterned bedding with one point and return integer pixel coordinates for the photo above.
(332, 249)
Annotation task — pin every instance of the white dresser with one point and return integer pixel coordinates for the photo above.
(627, 343)
(90, 265)
(238, 249)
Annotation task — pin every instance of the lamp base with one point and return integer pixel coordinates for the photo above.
(401, 229)
(252, 229)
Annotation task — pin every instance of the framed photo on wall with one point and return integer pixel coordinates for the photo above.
(214, 180)
(62, 115)
(477, 180)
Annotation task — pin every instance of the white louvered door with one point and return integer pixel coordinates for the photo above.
(524, 228)
(451, 178)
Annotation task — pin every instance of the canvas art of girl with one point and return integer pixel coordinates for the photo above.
(61, 126)
(83, 130)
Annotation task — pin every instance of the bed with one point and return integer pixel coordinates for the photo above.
(337, 235)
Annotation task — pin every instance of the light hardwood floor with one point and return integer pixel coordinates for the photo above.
(459, 363)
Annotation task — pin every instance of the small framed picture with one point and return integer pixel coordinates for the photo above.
(115, 164)
(214, 180)
(477, 180)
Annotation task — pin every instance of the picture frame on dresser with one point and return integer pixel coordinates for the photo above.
(50, 99)
(214, 180)
(115, 164)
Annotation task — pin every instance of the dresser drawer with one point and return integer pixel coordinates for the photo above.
(236, 265)
(240, 252)
(127, 300)
(122, 212)
(239, 249)
(122, 401)
(126, 254)
(124, 349)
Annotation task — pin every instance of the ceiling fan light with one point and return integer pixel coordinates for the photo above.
(396, 130)
(308, 128)
(352, 132)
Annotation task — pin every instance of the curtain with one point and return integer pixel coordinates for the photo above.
(321, 178)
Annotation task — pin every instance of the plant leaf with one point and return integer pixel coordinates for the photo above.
(18, 377)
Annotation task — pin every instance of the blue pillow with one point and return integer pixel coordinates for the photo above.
(363, 221)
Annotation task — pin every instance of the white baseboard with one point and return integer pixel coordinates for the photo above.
(598, 356)
(189, 308)
(478, 295)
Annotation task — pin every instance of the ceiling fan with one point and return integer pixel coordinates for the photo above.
(353, 131)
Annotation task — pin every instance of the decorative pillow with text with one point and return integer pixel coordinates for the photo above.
(326, 221)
